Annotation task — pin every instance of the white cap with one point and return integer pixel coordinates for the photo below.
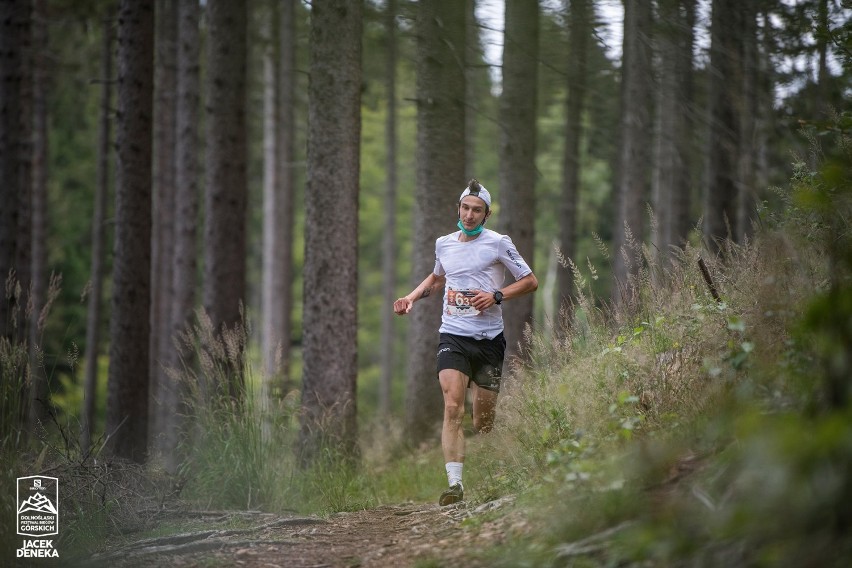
(478, 191)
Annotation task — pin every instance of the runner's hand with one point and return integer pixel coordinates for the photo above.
(402, 306)
(483, 300)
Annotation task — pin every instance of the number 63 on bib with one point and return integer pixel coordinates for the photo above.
(459, 302)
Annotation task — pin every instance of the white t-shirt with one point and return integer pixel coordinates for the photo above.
(470, 266)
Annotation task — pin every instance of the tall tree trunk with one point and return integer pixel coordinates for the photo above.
(633, 158)
(227, 186)
(38, 272)
(580, 17)
(93, 314)
(162, 234)
(287, 181)
(666, 155)
(670, 185)
(748, 111)
(473, 90)
(34, 207)
(184, 279)
(272, 315)
(478, 86)
(389, 237)
(13, 23)
(518, 107)
(685, 182)
(823, 75)
(39, 392)
(765, 100)
(331, 231)
(440, 157)
(127, 405)
(279, 136)
(723, 144)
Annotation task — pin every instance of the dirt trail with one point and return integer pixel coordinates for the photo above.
(398, 535)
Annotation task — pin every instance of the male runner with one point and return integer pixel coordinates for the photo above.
(469, 266)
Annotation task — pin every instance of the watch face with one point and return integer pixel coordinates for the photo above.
(498, 297)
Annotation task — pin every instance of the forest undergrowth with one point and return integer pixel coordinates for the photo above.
(703, 420)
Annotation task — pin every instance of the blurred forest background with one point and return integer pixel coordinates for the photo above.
(286, 166)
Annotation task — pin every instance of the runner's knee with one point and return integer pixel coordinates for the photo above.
(453, 410)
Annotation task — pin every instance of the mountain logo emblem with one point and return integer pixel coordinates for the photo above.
(38, 503)
(38, 506)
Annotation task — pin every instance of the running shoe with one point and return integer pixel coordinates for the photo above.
(452, 495)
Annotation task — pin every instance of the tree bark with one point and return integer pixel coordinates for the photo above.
(279, 134)
(682, 198)
(749, 122)
(93, 313)
(633, 158)
(184, 279)
(331, 232)
(440, 156)
(127, 405)
(13, 24)
(287, 183)
(473, 90)
(39, 271)
(823, 74)
(670, 185)
(723, 141)
(32, 245)
(39, 392)
(163, 219)
(227, 185)
(580, 17)
(272, 314)
(517, 151)
(389, 248)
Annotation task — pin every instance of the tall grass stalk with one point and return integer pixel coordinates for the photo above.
(241, 450)
(14, 372)
(229, 460)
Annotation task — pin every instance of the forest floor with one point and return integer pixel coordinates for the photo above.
(404, 535)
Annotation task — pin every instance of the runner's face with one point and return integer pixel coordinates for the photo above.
(472, 212)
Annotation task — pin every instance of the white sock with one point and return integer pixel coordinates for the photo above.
(454, 472)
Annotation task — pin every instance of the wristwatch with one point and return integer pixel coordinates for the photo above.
(498, 297)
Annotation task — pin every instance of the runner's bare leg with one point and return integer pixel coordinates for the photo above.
(454, 385)
(484, 408)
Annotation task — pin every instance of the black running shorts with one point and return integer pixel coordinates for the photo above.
(479, 359)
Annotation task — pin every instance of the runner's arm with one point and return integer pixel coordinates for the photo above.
(484, 299)
(430, 285)
(525, 285)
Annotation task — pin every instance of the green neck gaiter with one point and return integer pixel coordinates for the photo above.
(472, 233)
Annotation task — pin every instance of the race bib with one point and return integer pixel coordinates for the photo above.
(458, 302)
